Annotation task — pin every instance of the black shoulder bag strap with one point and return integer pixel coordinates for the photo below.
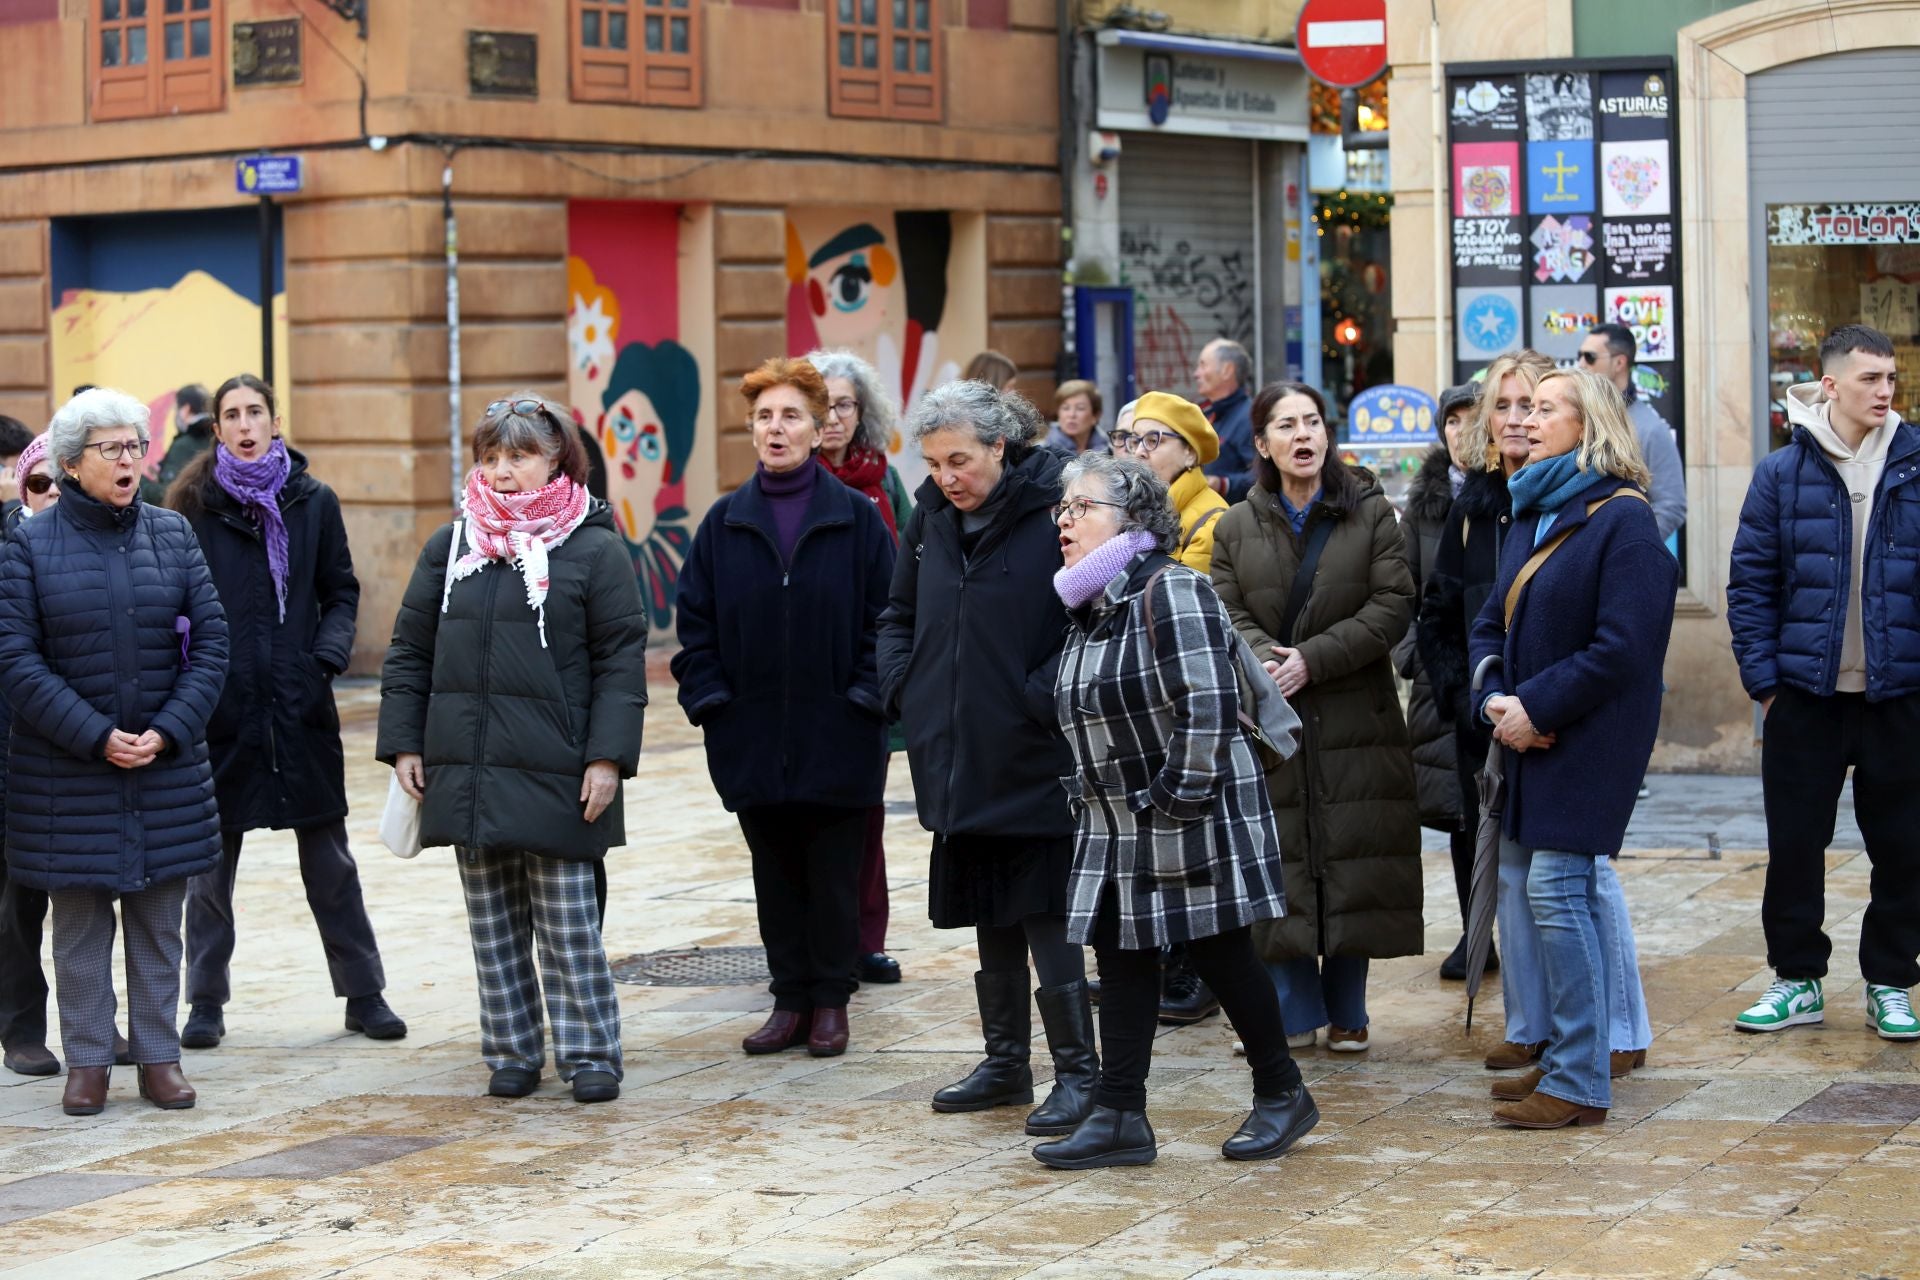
(1303, 580)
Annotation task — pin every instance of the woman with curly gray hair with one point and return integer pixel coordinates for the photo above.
(1176, 840)
(855, 438)
(969, 647)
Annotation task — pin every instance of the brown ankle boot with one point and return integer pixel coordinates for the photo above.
(1514, 1088)
(782, 1030)
(165, 1086)
(86, 1093)
(1621, 1062)
(1544, 1111)
(1511, 1056)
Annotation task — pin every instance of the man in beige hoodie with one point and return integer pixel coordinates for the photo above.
(1824, 602)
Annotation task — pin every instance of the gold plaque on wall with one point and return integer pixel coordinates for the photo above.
(266, 52)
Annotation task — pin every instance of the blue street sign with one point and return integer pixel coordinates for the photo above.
(267, 175)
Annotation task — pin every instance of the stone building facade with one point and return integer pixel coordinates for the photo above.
(649, 197)
(1783, 107)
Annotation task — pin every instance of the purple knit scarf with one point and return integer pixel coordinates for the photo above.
(1089, 576)
(256, 486)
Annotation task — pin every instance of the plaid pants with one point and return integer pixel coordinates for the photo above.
(515, 900)
(83, 929)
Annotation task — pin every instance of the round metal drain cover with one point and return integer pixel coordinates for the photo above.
(699, 967)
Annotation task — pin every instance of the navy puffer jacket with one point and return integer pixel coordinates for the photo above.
(1793, 564)
(90, 601)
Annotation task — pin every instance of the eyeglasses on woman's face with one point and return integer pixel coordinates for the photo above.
(845, 408)
(1144, 442)
(523, 408)
(113, 450)
(1076, 509)
(37, 484)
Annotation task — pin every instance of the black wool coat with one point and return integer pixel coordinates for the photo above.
(92, 602)
(1431, 729)
(1455, 585)
(506, 726)
(275, 735)
(776, 658)
(969, 652)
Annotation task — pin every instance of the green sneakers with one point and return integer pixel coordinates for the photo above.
(1891, 1014)
(1791, 1002)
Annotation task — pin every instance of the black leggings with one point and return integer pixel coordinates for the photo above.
(1130, 1008)
(1057, 962)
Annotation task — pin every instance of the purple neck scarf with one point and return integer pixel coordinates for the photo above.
(1089, 576)
(256, 486)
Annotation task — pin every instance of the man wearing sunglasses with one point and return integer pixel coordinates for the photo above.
(1608, 350)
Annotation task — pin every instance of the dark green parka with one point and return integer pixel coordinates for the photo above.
(1349, 826)
(506, 726)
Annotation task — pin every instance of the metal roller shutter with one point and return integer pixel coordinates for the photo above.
(1842, 127)
(1187, 248)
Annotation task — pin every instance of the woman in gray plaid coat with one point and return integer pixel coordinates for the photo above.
(1176, 838)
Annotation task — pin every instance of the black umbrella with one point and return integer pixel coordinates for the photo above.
(1484, 891)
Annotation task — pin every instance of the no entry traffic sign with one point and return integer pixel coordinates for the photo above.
(1343, 43)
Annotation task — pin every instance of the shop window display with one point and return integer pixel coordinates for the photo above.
(1834, 264)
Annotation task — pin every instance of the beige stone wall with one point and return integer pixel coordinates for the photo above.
(1707, 721)
(1215, 19)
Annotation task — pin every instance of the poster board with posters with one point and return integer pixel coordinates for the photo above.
(1566, 213)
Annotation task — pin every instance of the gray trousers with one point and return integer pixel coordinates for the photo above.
(83, 929)
(332, 880)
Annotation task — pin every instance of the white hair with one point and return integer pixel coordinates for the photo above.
(974, 407)
(878, 417)
(101, 409)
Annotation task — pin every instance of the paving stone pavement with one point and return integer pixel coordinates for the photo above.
(318, 1153)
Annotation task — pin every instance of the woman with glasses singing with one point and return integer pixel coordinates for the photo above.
(854, 439)
(511, 707)
(115, 647)
(1175, 440)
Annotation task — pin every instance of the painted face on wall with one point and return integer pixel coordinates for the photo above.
(851, 279)
(634, 440)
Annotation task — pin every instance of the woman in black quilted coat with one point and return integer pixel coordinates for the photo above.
(511, 705)
(114, 647)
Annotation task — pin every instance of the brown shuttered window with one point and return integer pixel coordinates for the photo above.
(156, 57)
(640, 51)
(884, 59)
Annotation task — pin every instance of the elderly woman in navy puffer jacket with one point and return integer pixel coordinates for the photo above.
(115, 648)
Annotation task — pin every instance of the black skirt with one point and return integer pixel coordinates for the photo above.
(997, 880)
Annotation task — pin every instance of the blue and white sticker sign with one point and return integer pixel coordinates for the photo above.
(267, 175)
(1391, 414)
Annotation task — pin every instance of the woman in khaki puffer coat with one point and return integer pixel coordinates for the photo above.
(1349, 823)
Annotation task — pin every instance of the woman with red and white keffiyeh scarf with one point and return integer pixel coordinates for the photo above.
(511, 706)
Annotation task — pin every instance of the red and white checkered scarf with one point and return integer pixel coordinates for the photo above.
(519, 528)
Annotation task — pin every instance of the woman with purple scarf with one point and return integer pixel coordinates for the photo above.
(277, 547)
(1176, 840)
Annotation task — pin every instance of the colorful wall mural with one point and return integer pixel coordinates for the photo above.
(878, 284)
(633, 385)
(148, 303)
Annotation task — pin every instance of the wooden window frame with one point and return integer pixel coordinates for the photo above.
(636, 74)
(158, 85)
(886, 91)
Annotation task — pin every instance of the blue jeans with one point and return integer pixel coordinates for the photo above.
(1318, 990)
(1564, 891)
(1523, 975)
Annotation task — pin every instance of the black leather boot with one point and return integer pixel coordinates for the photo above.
(1004, 1078)
(1184, 998)
(1105, 1138)
(1067, 1015)
(1273, 1125)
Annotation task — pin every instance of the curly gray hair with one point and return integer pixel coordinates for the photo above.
(878, 414)
(98, 409)
(1140, 494)
(974, 406)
